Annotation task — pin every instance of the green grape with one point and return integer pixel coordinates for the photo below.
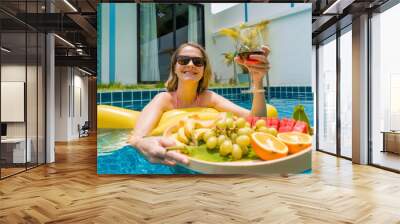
(229, 123)
(242, 131)
(245, 150)
(243, 140)
(236, 152)
(221, 124)
(251, 130)
(221, 139)
(208, 134)
(225, 148)
(263, 129)
(234, 137)
(260, 123)
(240, 122)
(273, 131)
(247, 124)
(245, 131)
(211, 142)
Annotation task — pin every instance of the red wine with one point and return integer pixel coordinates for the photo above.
(245, 55)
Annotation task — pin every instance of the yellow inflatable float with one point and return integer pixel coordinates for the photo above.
(117, 117)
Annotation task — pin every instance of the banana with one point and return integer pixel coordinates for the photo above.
(170, 130)
(198, 133)
(182, 136)
(177, 142)
(189, 127)
(205, 123)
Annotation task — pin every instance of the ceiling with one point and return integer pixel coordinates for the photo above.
(76, 22)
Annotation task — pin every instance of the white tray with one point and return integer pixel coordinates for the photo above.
(295, 163)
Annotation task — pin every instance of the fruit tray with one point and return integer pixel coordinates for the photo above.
(295, 163)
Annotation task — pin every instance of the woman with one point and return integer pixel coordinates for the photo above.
(190, 73)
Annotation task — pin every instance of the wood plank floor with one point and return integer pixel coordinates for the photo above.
(70, 191)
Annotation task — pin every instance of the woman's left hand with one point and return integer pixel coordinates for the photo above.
(258, 69)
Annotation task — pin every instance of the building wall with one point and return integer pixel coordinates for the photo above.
(124, 45)
(71, 102)
(288, 35)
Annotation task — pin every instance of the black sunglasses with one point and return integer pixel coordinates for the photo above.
(184, 60)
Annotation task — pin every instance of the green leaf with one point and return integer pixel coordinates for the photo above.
(212, 155)
(300, 115)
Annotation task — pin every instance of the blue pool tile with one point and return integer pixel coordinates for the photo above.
(289, 89)
(295, 89)
(152, 94)
(117, 104)
(302, 89)
(105, 98)
(136, 95)
(127, 96)
(98, 98)
(116, 97)
(286, 88)
(295, 95)
(289, 95)
(308, 89)
(127, 104)
(145, 95)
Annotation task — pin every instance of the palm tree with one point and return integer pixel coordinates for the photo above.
(234, 34)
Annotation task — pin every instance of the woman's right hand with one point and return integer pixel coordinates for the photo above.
(154, 148)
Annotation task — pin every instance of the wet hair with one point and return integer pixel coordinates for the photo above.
(172, 82)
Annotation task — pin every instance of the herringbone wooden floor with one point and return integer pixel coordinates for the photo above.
(70, 191)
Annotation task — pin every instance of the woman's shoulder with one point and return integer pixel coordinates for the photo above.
(208, 93)
(207, 98)
(166, 99)
(164, 95)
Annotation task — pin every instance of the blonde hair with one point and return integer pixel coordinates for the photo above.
(172, 82)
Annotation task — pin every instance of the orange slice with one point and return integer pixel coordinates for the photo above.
(295, 141)
(267, 146)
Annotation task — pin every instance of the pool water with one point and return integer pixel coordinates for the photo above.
(115, 156)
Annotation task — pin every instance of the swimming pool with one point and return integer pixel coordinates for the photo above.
(116, 157)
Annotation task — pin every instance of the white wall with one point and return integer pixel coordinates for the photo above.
(288, 35)
(12, 73)
(290, 41)
(33, 126)
(70, 84)
(125, 43)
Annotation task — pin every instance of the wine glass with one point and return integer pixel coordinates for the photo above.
(250, 42)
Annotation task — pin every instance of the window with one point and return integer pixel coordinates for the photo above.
(385, 89)
(162, 29)
(327, 96)
(346, 93)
